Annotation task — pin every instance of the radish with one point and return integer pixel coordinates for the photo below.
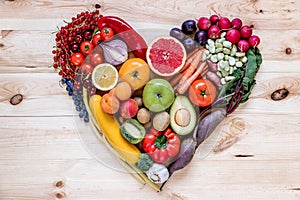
(243, 45)
(233, 36)
(204, 23)
(254, 41)
(214, 32)
(246, 32)
(236, 23)
(214, 19)
(224, 23)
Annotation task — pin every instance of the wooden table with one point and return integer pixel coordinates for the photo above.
(42, 156)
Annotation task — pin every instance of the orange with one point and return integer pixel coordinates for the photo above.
(136, 72)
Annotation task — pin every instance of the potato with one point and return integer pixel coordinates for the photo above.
(161, 121)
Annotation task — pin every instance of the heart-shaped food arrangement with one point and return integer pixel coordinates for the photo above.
(155, 104)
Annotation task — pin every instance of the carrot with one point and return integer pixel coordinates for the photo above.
(181, 89)
(190, 58)
(175, 79)
(191, 69)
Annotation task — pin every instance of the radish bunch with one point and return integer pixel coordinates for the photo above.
(236, 32)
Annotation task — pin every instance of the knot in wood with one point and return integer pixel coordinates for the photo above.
(59, 184)
(16, 99)
(60, 195)
(97, 6)
(279, 94)
(288, 51)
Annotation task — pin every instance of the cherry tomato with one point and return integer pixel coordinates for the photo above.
(86, 47)
(96, 39)
(86, 68)
(96, 58)
(107, 33)
(202, 92)
(77, 58)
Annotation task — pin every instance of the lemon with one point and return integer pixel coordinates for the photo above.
(105, 77)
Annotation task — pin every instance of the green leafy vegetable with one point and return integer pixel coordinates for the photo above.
(245, 76)
(145, 162)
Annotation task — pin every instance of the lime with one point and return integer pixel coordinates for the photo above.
(105, 76)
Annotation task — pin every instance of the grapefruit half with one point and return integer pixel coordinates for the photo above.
(166, 56)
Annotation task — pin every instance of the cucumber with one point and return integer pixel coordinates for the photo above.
(133, 131)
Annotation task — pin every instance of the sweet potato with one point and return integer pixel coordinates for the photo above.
(208, 124)
(214, 78)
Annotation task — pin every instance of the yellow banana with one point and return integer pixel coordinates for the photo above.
(111, 130)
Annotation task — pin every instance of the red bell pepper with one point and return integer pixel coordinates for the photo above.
(161, 145)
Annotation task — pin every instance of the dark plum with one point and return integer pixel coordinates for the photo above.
(177, 33)
(189, 44)
(189, 27)
(201, 37)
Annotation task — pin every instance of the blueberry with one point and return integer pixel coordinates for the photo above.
(79, 97)
(80, 92)
(63, 80)
(78, 108)
(68, 88)
(81, 115)
(85, 113)
(83, 107)
(86, 119)
(70, 93)
(74, 97)
(76, 102)
(69, 83)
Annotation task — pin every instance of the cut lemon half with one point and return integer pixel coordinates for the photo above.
(105, 76)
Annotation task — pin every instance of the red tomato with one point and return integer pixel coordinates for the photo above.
(77, 58)
(86, 68)
(202, 92)
(86, 47)
(107, 33)
(96, 58)
(96, 39)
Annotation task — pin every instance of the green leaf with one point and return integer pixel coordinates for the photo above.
(247, 94)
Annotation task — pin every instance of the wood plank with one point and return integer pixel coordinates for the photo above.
(87, 179)
(259, 13)
(41, 92)
(45, 137)
(259, 137)
(37, 56)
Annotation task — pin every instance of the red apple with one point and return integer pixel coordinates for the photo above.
(129, 109)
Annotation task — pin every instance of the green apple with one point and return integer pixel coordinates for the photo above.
(158, 95)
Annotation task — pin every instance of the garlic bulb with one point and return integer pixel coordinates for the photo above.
(115, 52)
(158, 173)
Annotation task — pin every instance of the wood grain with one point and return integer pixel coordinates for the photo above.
(44, 153)
(263, 14)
